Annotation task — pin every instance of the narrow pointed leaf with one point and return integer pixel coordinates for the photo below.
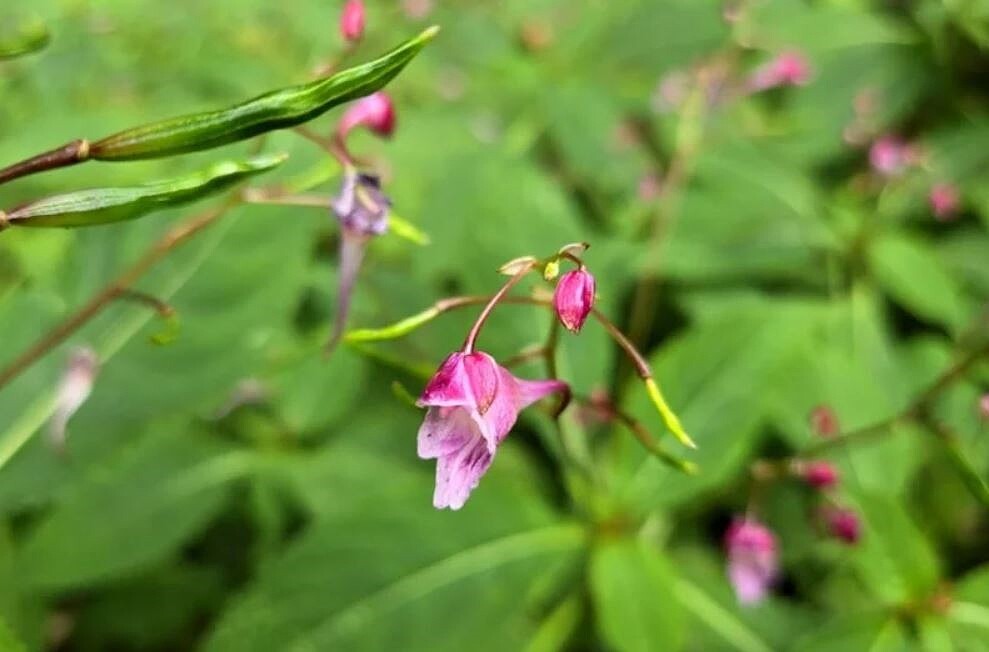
(107, 205)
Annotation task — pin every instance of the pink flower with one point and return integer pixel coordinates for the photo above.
(473, 403)
(824, 421)
(376, 112)
(944, 201)
(352, 20)
(574, 298)
(843, 524)
(74, 388)
(789, 68)
(820, 475)
(890, 156)
(753, 560)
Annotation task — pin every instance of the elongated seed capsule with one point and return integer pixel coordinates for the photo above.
(107, 205)
(200, 131)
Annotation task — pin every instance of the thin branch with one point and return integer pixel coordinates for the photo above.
(116, 289)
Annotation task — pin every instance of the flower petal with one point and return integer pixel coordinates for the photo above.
(483, 375)
(446, 430)
(459, 473)
(448, 386)
(531, 391)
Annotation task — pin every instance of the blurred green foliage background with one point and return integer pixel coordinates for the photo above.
(786, 274)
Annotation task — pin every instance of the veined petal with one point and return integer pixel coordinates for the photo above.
(483, 375)
(446, 430)
(459, 473)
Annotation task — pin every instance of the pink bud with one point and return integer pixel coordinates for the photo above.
(820, 475)
(824, 421)
(789, 68)
(753, 559)
(944, 201)
(843, 524)
(376, 112)
(574, 298)
(984, 406)
(352, 20)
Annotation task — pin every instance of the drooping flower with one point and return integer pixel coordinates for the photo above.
(890, 156)
(789, 68)
(944, 201)
(472, 402)
(361, 208)
(824, 421)
(819, 474)
(74, 388)
(753, 559)
(352, 20)
(843, 524)
(375, 112)
(574, 298)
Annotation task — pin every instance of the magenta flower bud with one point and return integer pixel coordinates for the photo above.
(376, 112)
(789, 68)
(944, 201)
(843, 524)
(574, 298)
(472, 402)
(352, 20)
(753, 559)
(820, 475)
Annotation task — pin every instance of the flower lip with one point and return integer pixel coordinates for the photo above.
(753, 564)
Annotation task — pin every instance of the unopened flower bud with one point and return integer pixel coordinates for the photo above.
(824, 421)
(890, 156)
(944, 201)
(73, 390)
(843, 524)
(789, 68)
(819, 474)
(352, 20)
(375, 112)
(574, 298)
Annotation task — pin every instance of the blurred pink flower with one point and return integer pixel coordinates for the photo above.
(824, 421)
(984, 406)
(650, 185)
(788, 68)
(473, 403)
(417, 9)
(671, 92)
(944, 201)
(820, 474)
(753, 561)
(574, 298)
(74, 388)
(843, 524)
(352, 20)
(375, 112)
(890, 156)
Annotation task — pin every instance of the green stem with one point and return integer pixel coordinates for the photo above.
(475, 330)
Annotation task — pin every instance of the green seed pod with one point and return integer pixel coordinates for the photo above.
(107, 205)
(18, 38)
(275, 110)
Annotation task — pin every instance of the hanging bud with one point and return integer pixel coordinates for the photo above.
(819, 474)
(352, 20)
(753, 559)
(944, 201)
(73, 390)
(574, 298)
(375, 112)
(362, 210)
(890, 156)
(789, 68)
(843, 524)
(824, 421)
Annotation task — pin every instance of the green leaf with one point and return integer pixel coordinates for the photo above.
(107, 205)
(382, 569)
(867, 632)
(21, 37)
(968, 616)
(8, 640)
(137, 511)
(718, 619)
(633, 591)
(913, 275)
(274, 110)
